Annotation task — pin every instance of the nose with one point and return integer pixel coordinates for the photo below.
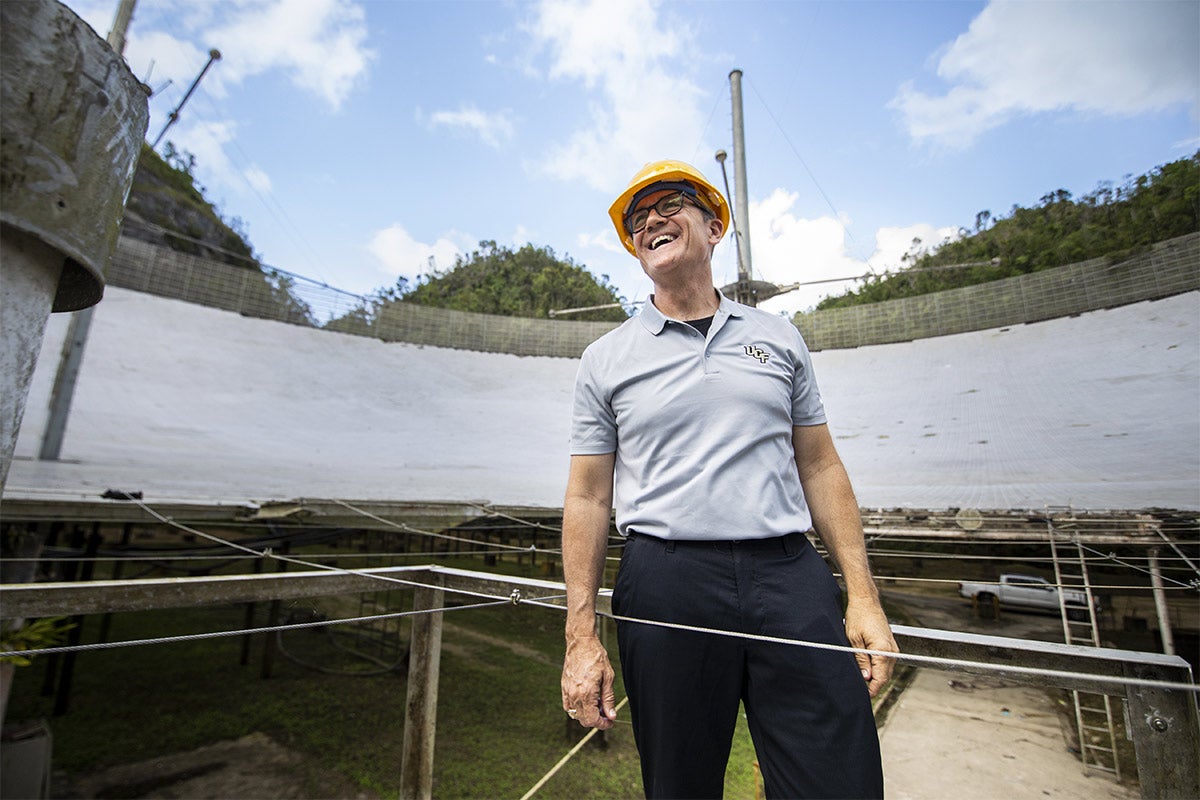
(653, 218)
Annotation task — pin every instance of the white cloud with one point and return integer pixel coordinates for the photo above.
(635, 64)
(402, 255)
(320, 44)
(206, 141)
(787, 249)
(258, 180)
(603, 239)
(493, 129)
(1116, 58)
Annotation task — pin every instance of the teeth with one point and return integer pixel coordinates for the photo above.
(664, 239)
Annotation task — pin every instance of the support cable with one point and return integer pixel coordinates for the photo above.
(516, 599)
(1113, 558)
(570, 754)
(268, 553)
(1175, 547)
(191, 637)
(409, 529)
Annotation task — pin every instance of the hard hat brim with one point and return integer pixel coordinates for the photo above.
(666, 172)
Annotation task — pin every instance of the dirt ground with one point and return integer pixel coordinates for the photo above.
(253, 767)
(257, 768)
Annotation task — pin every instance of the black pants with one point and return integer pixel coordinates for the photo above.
(808, 710)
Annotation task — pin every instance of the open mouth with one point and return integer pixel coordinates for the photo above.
(661, 239)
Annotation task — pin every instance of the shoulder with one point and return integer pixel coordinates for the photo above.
(770, 327)
(609, 348)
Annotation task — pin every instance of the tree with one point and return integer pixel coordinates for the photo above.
(529, 282)
(1160, 205)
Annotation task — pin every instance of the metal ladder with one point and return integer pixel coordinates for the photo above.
(1093, 712)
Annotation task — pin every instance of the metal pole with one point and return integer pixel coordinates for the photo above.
(173, 117)
(737, 232)
(1160, 604)
(745, 269)
(116, 37)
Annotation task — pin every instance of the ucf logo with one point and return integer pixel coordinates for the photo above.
(755, 352)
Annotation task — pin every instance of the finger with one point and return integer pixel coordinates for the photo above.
(589, 707)
(864, 665)
(882, 667)
(608, 696)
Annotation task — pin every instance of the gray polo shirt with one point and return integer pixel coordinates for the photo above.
(701, 427)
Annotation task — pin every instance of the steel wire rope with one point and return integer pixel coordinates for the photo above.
(409, 529)
(1194, 584)
(191, 637)
(1107, 586)
(712, 113)
(382, 667)
(202, 97)
(1179, 552)
(540, 602)
(570, 754)
(267, 553)
(511, 518)
(836, 214)
(900, 656)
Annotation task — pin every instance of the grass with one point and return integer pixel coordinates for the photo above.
(500, 725)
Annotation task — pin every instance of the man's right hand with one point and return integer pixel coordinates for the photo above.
(587, 683)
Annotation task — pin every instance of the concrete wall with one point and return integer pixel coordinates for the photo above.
(1168, 268)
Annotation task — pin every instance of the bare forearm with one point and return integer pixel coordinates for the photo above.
(587, 678)
(837, 521)
(586, 512)
(585, 545)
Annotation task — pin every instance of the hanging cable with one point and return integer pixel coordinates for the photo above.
(570, 754)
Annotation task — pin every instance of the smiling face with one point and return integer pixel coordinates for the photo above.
(678, 247)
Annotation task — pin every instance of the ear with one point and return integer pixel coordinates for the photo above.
(715, 231)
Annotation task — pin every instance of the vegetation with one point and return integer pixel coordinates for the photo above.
(500, 725)
(168, 208)
(1059, 230)
(529, 282)
(166, 197)
(32, 635)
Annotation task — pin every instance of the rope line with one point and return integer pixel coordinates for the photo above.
(191, 637)
(1175, 547)
(542, 602)
(527, 523)
(1113, 557)
(409, 529)
(268, 553)
(933, 660)
(515, 598)
(570, 754)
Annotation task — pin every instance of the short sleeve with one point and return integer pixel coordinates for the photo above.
(807, 408)
(593, 423)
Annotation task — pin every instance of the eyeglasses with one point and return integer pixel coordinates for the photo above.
(667, 206)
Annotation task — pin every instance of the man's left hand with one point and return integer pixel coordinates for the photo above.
(867, 628)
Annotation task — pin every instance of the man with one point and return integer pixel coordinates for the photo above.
(706, 415)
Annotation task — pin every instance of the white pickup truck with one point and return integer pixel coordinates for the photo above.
(1027, 591)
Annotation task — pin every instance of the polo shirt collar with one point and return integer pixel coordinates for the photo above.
(655, 321)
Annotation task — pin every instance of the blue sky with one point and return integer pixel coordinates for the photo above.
(359, 139)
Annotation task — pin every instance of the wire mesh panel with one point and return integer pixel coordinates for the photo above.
(1168, 268)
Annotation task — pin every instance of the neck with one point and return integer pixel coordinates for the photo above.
(687, 303)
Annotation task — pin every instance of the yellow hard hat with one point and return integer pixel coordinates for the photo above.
(666, 171)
